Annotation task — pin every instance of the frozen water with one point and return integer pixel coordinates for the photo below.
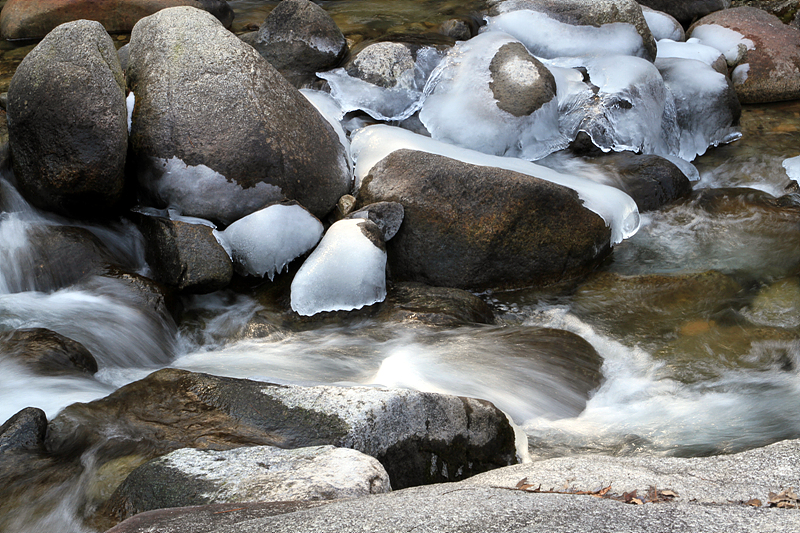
(792, 166)
(705, 102)
(372, 144)
(661, 25)
(627, 108)
(200, 191)
(130, 101)
(691, 49)
(461, 109)
(732, 44)
(546, 37)
(384, 103)
(330, 111)
(264, 242)
(739, 74)
(346, 271)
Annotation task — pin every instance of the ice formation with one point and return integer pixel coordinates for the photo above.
(264, 242)
(548, 38)
(130, 101)
(732, 44)
(346, 271)
(372, 144)
(330, 111)
(627, 108)
(792, 166)
(460, 107)
(691, 49)
(198, 190)
(384, 103)
(661, 25)
(706, 105)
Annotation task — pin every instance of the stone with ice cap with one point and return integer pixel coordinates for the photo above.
(345, 272)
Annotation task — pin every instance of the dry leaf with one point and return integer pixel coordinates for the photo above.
(522, 482)
(754, 502)
(636, 501)
(669, 493)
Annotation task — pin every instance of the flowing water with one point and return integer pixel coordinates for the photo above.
(685, 372)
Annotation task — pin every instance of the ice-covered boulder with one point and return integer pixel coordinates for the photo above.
(663, 25)
(687, 11)
(24, 19)
(66, 122)
(489, 94)
(385, 80)
(693, 49)
(252, 474)
(550, 29)
(706, 105)
(217, 132)
(299, 38)
(763, 52)
(264, 242)
(184, 254)
(346, 271)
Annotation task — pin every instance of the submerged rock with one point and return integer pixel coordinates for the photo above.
(217, 132)
(777, 304)
(23, 19)
(475, 226)
(254, 474)
(47, 352)
(67, 122)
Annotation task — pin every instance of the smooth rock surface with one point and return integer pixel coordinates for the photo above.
(47, 352)
(436, 306)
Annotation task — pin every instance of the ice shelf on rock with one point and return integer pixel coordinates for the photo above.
(548, 38)
(691, 49)
(264, 242)
(706, 105)
(618, 210)
(197, 190)
(346, 271)
(460, 107)
(792, 166)
(384, 103)
(627, 108)
(661, 25)
(330, 111)
(732, 44)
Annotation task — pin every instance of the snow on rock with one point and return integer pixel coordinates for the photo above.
(393, 95)
(628, 107)
(372, 144)
(706, 104)
(662, 25)
(548, 38)
(264, 242)
(346, 271)
(732, 44)
(693, 49)
(489, 94)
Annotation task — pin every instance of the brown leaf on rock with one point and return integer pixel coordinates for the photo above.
(753, 502)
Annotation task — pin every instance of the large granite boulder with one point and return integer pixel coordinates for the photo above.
(217, 132)
(686, 11)
(418, 437)
(299, 38)
(67, 122)
(471, 226)
(25, 19)
(763, 52)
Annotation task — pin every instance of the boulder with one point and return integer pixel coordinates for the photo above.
(418, 437)
(435, 306)
(686, 11)
(67, 122)
(471, 226)
(383, 64)
(47, 352)
(299, 39)
(184, 255)
(776, 304)
(252, 474)
(24, 19)
(763, 52)
(388, 216)
(24, 431)
(217, 132)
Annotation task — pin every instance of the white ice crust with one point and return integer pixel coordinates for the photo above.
(372, 144)
(661, 25)
(460, 107)
(792, 166)
(345, 272)
(691, 49)
(264, 242)
(130, 102)
(330, 111)
(731, 43)
(548, 38)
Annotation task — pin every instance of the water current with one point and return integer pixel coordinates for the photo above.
(685, 372)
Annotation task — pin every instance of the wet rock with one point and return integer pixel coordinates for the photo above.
(652, 305)
(765, 60)
(436, 306)
(24, 431)
(184, 255)
(460, 30)
(594, 13)
(67, 122)
(418, 437)
(686, 11)
(218, 133)
(299, 38)
(253, 474)
(141, 292)
(777, 304)
(47, 352)
(663, 25)
(22, 19)
(388, 216)
(520, 83)
(473, 226)
(5, 151)
(383, 64)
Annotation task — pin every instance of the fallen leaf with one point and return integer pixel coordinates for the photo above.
(522, 482)
(753, 502)
(636, 501)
